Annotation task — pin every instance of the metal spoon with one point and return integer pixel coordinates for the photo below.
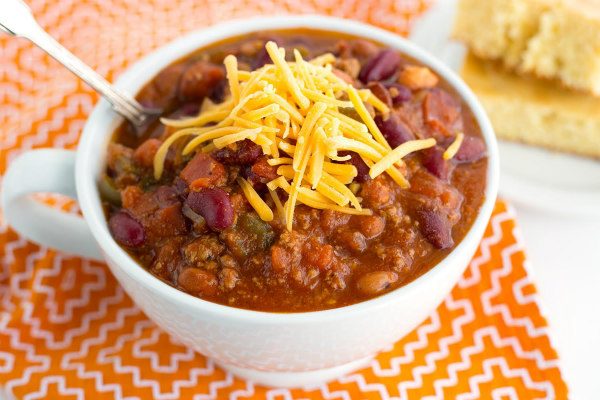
(16, 19)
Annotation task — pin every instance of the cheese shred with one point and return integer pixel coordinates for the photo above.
(454, 147)
(262, 209)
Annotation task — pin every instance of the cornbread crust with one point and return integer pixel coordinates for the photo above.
(532, 111)
(549, 38)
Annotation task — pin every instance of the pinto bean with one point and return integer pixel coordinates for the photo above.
(371, 225)
(363, 48)
(198, 281)
(331, 220)
(373, 283)
(353, 241)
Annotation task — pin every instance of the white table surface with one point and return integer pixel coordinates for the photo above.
(564, 255)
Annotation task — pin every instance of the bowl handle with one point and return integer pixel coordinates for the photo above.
(46, 171)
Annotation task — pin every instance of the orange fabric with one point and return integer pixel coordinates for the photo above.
(68, 330)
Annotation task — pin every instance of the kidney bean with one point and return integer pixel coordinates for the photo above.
(261, 57)
(380, 67)
(380, 92)
(471, 149)
(180, 186)
(126, 230)
(166, 196)
(433, 160)
(361, 167)
(214, 205)
(373, 283)
(217, 94)
(436, 228)
(394, 130)
(399, 93)
(246, 152)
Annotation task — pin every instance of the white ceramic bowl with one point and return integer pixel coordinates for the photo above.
(278, 349)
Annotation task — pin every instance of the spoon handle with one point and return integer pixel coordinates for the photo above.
(16, 19)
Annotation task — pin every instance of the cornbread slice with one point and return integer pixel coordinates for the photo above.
(549, 38)
(533, 111)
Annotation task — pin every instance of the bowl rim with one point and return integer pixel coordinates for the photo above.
(103, 121)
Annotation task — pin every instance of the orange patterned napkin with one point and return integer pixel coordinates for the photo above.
(68, 330)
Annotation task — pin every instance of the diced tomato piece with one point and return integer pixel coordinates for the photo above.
(376, 192)
(203, 171)
(280, 259)
(264, 170)
(130, 196)
(199, 80)
(166, 221)
(442, 112)
(144, 154)
(317, 254)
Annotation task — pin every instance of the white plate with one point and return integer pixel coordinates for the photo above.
(535, 177)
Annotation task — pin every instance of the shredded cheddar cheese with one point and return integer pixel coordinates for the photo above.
(297, 112)
(262, 209)
(454, 147)
(398, 153)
